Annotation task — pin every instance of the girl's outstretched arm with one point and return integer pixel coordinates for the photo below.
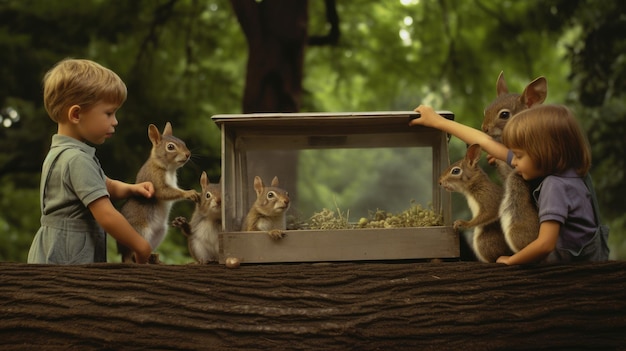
(430, 118)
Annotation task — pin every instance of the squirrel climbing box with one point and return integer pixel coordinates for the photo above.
(352, 168)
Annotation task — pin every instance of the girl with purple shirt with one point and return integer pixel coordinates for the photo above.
(546, 146)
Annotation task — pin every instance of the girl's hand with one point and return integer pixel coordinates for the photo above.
(428, 117)
(503, 259)
(143, 257)
(145, 189)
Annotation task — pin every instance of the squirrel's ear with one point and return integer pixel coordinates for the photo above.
(275, 181)
(153, 134)
(501, 85)
(258, 185)
(204, 180)
(473, 153)
(168, 129)
(535, 93)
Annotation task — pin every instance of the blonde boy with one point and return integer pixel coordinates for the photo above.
(82, 97)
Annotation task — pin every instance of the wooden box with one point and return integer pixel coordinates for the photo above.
(355, 162)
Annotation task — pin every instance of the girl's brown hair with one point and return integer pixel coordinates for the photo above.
(80, 82)
(552, 137)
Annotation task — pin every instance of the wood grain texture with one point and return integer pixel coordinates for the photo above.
(341, 245)
(396, 305)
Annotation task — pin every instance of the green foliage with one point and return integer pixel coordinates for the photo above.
(364, 180)
(184, 61)
(19, 221)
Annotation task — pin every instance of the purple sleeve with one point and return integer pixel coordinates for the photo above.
(553, 201)
(509, 158)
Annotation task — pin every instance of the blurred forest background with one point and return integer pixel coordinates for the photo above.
(186, 60)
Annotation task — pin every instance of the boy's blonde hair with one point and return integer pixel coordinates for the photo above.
(552, 137)
(80, 82)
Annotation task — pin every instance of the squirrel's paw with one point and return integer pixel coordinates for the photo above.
(276, 234)
(182, 224)
(179, 222)
(459, 224)
(154, 259)
(192, 195)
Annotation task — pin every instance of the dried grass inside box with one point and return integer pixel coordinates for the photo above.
(356, 167)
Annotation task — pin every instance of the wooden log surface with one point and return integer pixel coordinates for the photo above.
(314, 306)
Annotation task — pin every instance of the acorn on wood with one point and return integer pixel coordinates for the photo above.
(232, 262)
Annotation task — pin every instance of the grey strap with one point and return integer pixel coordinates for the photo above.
(594, 199)
(45, 180)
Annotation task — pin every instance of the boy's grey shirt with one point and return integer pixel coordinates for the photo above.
(71, 179)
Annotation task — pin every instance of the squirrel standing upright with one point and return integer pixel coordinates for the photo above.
(268, 213)
(518, 211)
(483, 198)
(205, 224)
(149, 216)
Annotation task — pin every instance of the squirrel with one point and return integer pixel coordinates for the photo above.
(518, 211)
(506, 104)
(483, 198)
(205, 224)
(149, 216)
(268, 211)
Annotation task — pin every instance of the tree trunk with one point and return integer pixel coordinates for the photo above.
(342, 306)
(276, 32)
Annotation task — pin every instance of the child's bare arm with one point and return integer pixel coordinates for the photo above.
(118, 227)
(539, 249)
(469, 135)
(120, 190)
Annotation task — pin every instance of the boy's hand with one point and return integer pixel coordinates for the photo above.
(145, 189)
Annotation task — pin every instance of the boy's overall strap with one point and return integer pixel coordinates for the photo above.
(44, 181)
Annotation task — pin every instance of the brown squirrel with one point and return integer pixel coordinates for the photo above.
(205, 224)
(149, 216)
(268, 213)
(506, 104)
(483, 198)
(518, 211)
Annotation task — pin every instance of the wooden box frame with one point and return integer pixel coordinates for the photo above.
(277, 131)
